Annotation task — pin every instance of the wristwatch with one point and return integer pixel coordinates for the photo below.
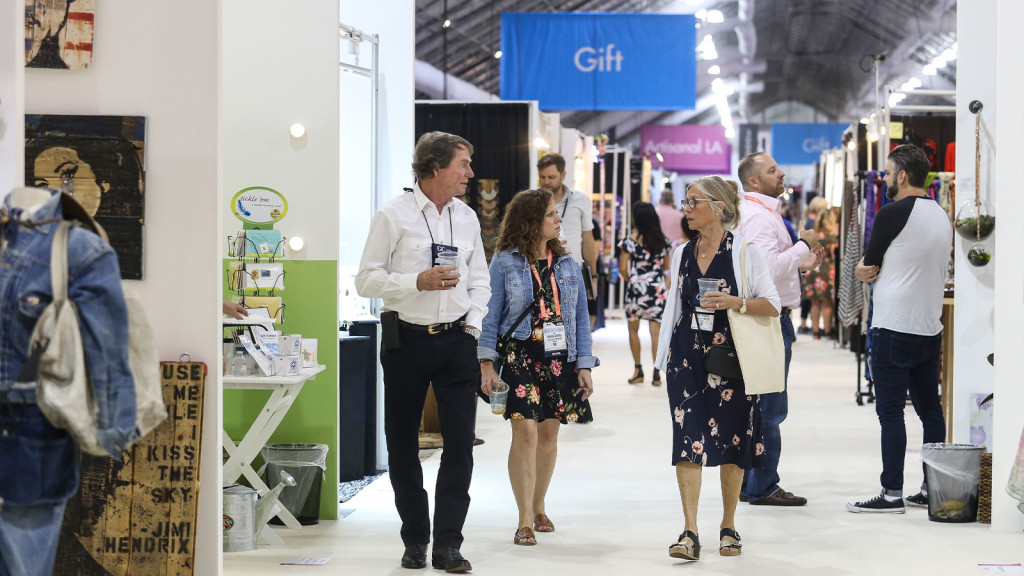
(474, 332)
(743, 305)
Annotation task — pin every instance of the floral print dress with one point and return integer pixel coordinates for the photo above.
(714, 422)
(539, 387)
(820, 283)
(645, 287)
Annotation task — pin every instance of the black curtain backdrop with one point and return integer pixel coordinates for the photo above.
(500, 136)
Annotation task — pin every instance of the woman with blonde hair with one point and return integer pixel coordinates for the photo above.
(537, 329)
(715, 422)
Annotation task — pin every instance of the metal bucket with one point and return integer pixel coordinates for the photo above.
(239, 519)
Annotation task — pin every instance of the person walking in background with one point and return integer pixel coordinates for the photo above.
(429, 322)
(643, 261)
(817, 204)
(547, 360)
(820, 283)
(763, 184)
(906, 261)
(671, 218)
(715, 422)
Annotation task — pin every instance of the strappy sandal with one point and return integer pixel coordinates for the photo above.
(728, 547)
(638, 375)
(541, 523)
(656, 381)
(525, 537)
(686, 551)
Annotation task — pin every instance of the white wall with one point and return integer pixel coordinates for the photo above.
(396, 27)
(1009, 285)
(280, 66)
(162, 64)
(973, 312)
(12, 101)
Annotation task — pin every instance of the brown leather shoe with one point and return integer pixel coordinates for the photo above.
(541, 523)
(780, 498)
(525, 537)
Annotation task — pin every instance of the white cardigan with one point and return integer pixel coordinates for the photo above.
(759, 279)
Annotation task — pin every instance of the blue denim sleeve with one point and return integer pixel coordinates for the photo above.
(487, 348)
(584, 359)
(94, 285)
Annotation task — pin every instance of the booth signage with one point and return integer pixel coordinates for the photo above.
(748, 139)
(689, 149)
(259, 205)
(804, 143)
(599, 60)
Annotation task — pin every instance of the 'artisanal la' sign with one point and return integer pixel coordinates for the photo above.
(690, 149)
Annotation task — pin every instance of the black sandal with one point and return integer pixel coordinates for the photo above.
(683, 550)
(638, 375)
(656, 381)
(728, 548)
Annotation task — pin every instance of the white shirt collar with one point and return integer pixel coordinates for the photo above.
(422, 200)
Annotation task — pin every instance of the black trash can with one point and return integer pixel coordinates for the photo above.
(952, 472)
(306, 463)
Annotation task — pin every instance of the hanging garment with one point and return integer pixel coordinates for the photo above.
(1015, 487)
(932, 180)
(851, 297)
(945, 197)
(871, 185)
(949, 164)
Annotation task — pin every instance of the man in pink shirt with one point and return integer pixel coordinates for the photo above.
(670, 216)
(760, 223)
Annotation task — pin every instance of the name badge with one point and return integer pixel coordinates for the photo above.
(554, 340)
(445, 255)
(703, 322)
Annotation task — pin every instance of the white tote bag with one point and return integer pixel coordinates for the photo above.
(759, 344)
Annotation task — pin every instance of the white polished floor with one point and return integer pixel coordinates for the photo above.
(616, 507)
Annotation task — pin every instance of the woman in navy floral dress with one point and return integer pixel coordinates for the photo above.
(643, 262)
(714, 421)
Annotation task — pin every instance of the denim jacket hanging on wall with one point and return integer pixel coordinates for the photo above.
(40, 462)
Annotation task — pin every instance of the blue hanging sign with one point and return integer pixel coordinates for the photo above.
(804, 143)
(600, 60)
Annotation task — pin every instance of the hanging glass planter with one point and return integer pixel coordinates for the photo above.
(975, 221)
(978, 255)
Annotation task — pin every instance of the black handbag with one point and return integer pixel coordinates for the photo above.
(722, 361)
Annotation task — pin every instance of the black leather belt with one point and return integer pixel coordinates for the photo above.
(785, 311)
(433, 329)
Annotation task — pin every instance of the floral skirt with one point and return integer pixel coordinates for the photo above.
(542, 388)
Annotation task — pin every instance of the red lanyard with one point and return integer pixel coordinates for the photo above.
(544, 314)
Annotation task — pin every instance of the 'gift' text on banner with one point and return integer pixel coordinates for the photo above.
(804, 143)
(599, 61)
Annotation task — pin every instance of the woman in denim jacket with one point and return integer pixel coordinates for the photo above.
(547, 360)
(39, 470)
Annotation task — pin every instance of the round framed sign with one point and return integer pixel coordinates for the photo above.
(259, 205)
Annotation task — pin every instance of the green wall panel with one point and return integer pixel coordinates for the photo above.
(311, 309)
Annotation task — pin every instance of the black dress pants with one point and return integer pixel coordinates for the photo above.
(448, 361)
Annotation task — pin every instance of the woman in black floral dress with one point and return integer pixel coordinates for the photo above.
(643, 262)
(714, 422)
(547, 360)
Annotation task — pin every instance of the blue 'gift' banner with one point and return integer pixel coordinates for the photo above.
(600, 60)
(804, 143)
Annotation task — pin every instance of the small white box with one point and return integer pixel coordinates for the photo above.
(287, 365)
(309, 352)
(291, 344)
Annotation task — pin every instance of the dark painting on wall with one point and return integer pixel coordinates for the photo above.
(499, 133)
(100, 160)
(58, 33)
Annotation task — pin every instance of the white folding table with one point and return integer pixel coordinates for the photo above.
(284, 390)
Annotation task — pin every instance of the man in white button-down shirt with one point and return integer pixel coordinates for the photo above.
(425, 258)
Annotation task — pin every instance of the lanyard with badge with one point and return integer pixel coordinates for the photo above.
(554, 330)
(443, 254)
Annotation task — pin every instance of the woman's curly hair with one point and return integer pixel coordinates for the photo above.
(521, 227)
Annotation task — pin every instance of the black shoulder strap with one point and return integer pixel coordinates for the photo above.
(526, 311)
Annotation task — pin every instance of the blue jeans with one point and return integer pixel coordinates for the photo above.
(901, 364)
(28, 538)
(762, 482)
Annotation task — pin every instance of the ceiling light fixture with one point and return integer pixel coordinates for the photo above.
(541, 143)
(497, 54)
(929, 70)
(715, 17)
(447, 24)
(715, 70)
